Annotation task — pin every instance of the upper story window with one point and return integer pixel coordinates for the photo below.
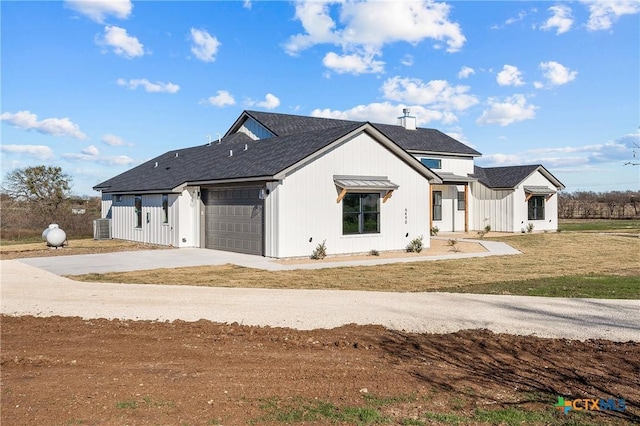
(432, 163)
(117, 198)
(361, 213)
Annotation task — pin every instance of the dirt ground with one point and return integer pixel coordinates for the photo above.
(68, 371)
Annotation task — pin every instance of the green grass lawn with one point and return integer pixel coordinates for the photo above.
(602, 225)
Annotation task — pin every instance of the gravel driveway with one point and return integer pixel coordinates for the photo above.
(26, 290)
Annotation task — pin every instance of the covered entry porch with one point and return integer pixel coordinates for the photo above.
(450, 204)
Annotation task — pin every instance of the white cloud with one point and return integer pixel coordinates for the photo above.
(98, 10)
(510, 21)
(247, 4)
(122, 43)
(364, 27)
(89, 156)
(511, 110)
(436, 93)
(118, 160)
(352, 64)
(113, 140)
(561, 19)
(574, 159)
(602, 14)
(557, 74)
(270, 102)
(91, 150)
(148, 86)
(49, 126)
(223, 98)
(407, 60)
(465, 72)
(39, 152)
(385, 113)
(205, 46)
(510, 76)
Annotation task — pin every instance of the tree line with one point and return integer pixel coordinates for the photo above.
(599, 205)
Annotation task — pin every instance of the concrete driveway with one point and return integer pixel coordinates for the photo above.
(152, 259)
(27, 290)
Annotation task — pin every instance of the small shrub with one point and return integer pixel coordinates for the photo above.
(453, 244)
(374, 252)
(320, 252)
(485, 231)
(530, 228)
(434, 231)
(415, 246)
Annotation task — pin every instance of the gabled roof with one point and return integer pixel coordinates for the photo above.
(238, 157)
(420, 140)
(511, 176)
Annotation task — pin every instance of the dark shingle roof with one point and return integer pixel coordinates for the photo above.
(421, 139)
(503, 177)
(297, 137)
(425, 140)
(288, 124)
(212, 162)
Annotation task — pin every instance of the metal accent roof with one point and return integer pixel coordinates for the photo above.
(539, 190)
(451, 177)
(371, 183)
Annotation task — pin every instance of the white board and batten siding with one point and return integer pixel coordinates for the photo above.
(550, 221)
(302, 210)
(153, 229)
(491, 207)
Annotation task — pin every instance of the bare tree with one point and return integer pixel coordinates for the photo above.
(44, 189)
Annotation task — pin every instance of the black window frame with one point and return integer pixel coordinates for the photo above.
(436, 209)
(360, 212)
(165, 208)
(536, 207)
(137, 208)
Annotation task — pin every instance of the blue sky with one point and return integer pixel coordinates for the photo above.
(97, 87)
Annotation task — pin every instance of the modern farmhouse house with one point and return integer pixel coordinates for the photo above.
(277, 185)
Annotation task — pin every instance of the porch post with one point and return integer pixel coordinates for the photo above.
(466, 208)
(430, 208)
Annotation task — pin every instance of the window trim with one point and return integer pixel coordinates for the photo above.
(436, 217)
(361, 213)
(533, 208)
(165, 208)
(437, 163)
(138, 211)
(463, 201)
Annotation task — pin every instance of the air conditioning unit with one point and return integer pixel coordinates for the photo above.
(102, 229)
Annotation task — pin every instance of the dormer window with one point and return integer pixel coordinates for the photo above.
(432, 163)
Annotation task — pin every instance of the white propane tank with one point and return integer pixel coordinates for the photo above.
(56, 237)
(46, 231)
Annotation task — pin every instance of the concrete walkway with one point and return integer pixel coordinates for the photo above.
(152, 259)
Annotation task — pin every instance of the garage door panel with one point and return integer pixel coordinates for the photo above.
(233, 220)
